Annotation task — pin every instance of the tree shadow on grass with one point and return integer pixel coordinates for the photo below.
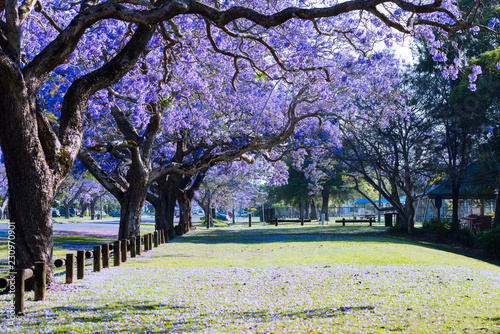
(315, 234)
(126, 313)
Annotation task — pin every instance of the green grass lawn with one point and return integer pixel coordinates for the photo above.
(277, 280)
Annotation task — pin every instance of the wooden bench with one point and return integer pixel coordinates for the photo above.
(301, 221)
(343, 221)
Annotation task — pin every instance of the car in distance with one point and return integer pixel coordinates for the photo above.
(222, 216)
(55, 213)
(114, 214)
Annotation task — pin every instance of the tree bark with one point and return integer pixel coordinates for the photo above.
(32, 183)
(496, 221)
(133, 202)
(314, 210)
(325, 195)
(168, 192)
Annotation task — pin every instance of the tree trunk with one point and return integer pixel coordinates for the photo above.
(455, 192)
(496, 220)
(325, 195)
(184, 211)
(66, 210)
(133, 202)
(168, 191)
(32, 185)
(314, 211)
(83, 206)
(306, 209)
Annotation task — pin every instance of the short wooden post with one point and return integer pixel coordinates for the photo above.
(208, 221)
(116, 253)
(301, 221)
(343, 221)
(138, 245)
(19, 292)
(70, 264)
(276, 222)
(249, 220)
(132, 247)
(97, 258)
(124, 250)
(155, 234)
(111, 247)
(150, 246)
(89, 254)
(105, 255)
(370, 221)
(40, 280)
(80, 264)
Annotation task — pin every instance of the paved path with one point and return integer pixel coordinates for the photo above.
(95, 227)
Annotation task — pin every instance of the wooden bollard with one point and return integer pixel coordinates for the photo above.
(21, 275)
(97, 258)
(371, 221)
(111, 247)
(105, 255)
(160, 238)
(165, 237)
(124, 250)
(138, 245)
(249, 220)
(208, 221)
(145, 242)
(150, 241)
(132, 247)
(70, 265)
(155, 236)
(59, 263)
(80, 264)
(301, 221)
(88, 254)
(343, 221)
(40, 280)
(116, 255)
(276, 222)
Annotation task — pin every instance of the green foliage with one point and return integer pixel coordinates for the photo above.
(438, 227)
(489, 242)
(488, 82)
(467, 236)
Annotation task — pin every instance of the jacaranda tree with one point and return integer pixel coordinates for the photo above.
(84, 48)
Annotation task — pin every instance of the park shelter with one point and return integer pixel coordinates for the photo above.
(468, 191)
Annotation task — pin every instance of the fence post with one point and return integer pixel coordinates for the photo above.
(155, 234)
(97, 258)
(124, 250)
(40, 280)
(105, 255)
(19, 292)
(89, 254)
(150, 241)
(370, 222)
(249, 220)
(343, 221)
(276, 222)
(132, 247)
(80, 264)
(301, 221)
(138, 245)
(116, 253)
(70, 264)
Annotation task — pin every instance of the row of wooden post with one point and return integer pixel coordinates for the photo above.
(100, 254)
